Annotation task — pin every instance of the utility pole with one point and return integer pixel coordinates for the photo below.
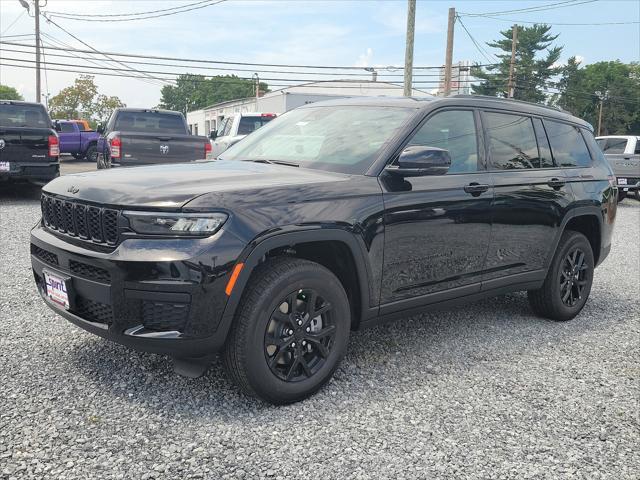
(512, 64)
(600, 117)
(38, 87)
(257, 79)
(408, 54)
(449, 55)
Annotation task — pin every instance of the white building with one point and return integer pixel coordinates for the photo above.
(201, 122)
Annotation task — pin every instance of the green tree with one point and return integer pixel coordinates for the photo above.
(532, 74)
(9, 93)
(82, 100)
(193, 92)
(617, 83)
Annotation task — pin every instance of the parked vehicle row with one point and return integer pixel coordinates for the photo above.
(336, 216)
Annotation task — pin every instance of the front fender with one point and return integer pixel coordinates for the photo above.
(255, 252)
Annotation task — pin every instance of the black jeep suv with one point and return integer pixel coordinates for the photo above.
(330, 218)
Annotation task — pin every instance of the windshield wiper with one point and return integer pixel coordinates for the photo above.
(273, 162)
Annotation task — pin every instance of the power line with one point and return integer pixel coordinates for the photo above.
(198, 67)
(104, 19)
(539, 8)
(86, 44)
(558, 24)
(480, 49)
(13, 23)
(221, 62)
(203, 77)
(128, 14)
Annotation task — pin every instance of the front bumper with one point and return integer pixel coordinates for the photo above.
(144, 294)
(31, 171)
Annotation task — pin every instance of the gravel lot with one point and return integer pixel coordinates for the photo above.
(484, 391)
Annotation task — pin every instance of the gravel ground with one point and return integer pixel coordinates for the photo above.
(484, 391)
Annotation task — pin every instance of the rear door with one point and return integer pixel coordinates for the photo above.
(437, 227)
(530, 196)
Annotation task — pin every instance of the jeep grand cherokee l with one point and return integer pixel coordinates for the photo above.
(332, 217)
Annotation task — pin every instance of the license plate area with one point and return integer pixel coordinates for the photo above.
(622, 181)
(57, 288)
(5, 167)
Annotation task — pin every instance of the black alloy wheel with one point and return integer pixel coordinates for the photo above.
(290, 331)
(299, 336)
(573, 277)
(568, 282)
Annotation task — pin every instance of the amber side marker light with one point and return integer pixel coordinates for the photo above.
(234, 276)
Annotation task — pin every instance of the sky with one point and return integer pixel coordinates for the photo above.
(359, 33)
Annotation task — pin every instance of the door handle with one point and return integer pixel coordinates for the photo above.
(476, 189)
(556, 183)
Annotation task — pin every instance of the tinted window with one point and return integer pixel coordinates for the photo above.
(567, 145)
(512, 141)
(249, 124)
(546, 160)
(455, 131)
(142, 122)
(19, 115)
(67, 127)
(613, 145)
(343, 138)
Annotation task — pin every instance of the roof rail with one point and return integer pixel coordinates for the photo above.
(513, 100)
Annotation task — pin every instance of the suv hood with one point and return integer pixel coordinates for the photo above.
(172, 186)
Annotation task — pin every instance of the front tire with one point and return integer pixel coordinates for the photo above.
(92, 153)
(568, 282)
(290, 331)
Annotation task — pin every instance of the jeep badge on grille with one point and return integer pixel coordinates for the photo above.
(73, 189)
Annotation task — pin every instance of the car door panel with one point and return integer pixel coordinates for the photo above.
(436, 232)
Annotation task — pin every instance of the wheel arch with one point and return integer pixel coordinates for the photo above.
(335, 249)
(588, 221)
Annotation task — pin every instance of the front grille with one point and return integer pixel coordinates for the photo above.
(47, 257)
(89, 271)
(93, 311)
(163, 316)
(76, 219)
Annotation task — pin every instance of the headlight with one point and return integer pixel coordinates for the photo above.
(188, 224)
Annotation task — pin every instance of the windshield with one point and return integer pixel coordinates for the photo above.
(21, 115)
(343, 139)
(150, 122)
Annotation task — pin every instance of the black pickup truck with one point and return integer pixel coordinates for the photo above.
(135, 136)
(29, 145)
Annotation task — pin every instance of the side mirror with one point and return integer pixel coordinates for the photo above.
(213, 134)
(100, 128)
(56, 126)
(418, 161)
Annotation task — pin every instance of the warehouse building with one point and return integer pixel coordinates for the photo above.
(201, 122)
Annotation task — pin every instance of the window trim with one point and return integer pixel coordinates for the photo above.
(489, 165)
(586, 144)
(481, 163)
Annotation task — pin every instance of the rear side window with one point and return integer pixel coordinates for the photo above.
(455, 131)
(152, 122)
(23, 115)
(512, 141)
(249, 124)
(567, 145)
(613, 145)
(66, 127)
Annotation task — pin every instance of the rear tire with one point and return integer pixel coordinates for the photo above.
(92, 153)
(568, 283)
(290, 331)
